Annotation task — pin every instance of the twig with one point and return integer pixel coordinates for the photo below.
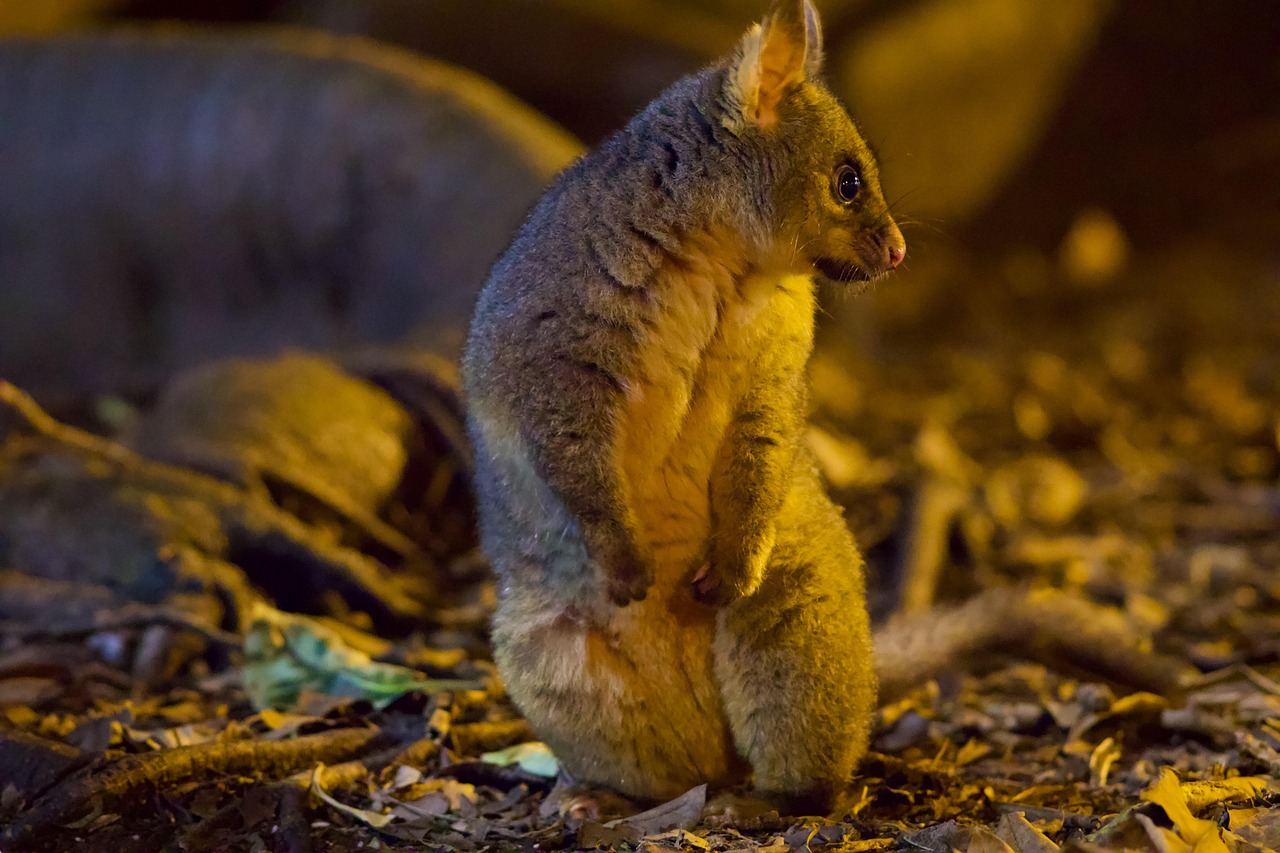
(128, 778)
(936, 506)
(418, 754)
(471, 739)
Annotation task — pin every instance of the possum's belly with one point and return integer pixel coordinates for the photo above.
(695, 370)
(673, 431)
(633, 705)
(672, 493)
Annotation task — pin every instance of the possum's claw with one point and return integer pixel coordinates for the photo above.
(709, 586)
(706, 586)
(624, 571)
(627, 579)
(734, 572)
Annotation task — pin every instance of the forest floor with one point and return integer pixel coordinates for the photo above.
(1112, 432)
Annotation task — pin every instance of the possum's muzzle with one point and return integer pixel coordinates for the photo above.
(842, 271)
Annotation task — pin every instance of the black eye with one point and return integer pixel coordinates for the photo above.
(848, 182)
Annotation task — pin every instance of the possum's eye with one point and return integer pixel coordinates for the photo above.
(847, 183)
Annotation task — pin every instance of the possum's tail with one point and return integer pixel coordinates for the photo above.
(1059, 628)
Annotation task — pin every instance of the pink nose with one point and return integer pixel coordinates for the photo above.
(895, 252)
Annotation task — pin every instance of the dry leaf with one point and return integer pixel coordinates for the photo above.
(429, 805)
(406, 776)
(681, 813)
(1200, 795)
(1203, 836)
(972, 751)
(1257, 826)
(1015, 830)
(532, 757)
(375, 819)
(676, 839)
(982, 840)
(1165, 840)
(606, 835)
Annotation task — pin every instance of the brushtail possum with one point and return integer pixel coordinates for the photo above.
(679, 600)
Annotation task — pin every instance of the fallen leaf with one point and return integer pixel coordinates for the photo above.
(1040, 489)
(972, 751)
(286, 654)
(281, 725)
(776, 845)
(375, 819)
(1166, 840)
(1139, 702)
(29, 691)
(427, 793)
(19, 715)
(406, 776)
(532, 757)
(1202, 794)
(606, 835)
(982, 840)
(681, 813)
(1257, 826)
(433, 804)
(808, 836)
(677, 839)
(1204, 836)
(939, 838)
(1016, 831)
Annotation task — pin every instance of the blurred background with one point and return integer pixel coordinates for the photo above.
(1163, 113)
(1040, 147)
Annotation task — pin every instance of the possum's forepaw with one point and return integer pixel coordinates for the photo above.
(715, 588)
(711, 588)
(624, 589)
(733, 575)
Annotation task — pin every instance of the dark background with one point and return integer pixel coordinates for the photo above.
(1167, 115)
(1014, 135)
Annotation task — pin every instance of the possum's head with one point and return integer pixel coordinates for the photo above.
(821, 205)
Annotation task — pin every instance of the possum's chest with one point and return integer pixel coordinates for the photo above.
(709, 336)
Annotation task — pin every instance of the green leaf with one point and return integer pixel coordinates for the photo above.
(286, 654)
(532, 757)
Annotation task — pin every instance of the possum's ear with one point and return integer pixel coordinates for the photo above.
(812, 41)
(772, 58)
